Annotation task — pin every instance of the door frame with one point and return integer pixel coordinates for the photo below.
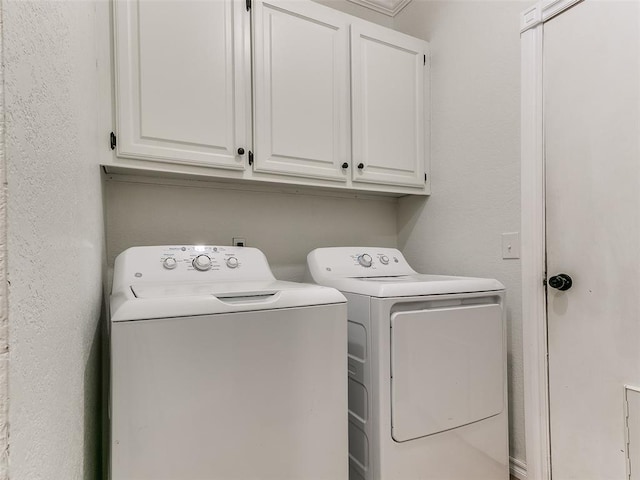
(533, 248)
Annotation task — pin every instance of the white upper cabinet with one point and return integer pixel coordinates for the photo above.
(388, 106)
(280, 91)
(182, 81)
(301, 85)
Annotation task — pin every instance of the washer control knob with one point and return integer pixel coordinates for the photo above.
(232, 262)
(169, 263)
(384, 260)
(202, 263)
(365, 260)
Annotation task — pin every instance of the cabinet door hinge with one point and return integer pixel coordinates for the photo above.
(112, 140)
(425, 59)
(250, 157)
(425, 178)
(248, 4)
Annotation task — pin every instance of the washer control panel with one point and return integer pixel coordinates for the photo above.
(358, 262)
(191, 263)
(205, 258)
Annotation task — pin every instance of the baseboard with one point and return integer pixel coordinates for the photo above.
(517, 468)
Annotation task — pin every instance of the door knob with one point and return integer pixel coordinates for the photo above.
(241, 151)
(345, 165)
(562, 282)
(361, 166)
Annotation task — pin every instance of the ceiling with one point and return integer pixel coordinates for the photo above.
(388, 7)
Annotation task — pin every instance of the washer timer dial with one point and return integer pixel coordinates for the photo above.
(365, 260)
(202, 263)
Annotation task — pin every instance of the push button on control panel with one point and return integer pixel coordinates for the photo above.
(384, 260)
(232, 262)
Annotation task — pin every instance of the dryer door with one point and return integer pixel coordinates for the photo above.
(447, 368)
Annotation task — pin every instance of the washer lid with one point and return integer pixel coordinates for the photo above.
(144, 301)
(219, 290)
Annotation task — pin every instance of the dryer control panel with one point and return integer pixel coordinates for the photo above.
(190, 263)
(350, 262)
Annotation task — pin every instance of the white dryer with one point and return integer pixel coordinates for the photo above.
(427, 368)
(219, 371)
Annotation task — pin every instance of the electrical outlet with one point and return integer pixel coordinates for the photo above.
(239, 242)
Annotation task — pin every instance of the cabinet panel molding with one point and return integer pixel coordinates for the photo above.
(182, 71)
(388, 106)
(301, 77)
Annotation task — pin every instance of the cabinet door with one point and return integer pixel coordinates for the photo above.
(183, 81)
(388, 106)
(301, 89)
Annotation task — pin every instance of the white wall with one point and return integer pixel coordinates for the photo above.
(475, 95)
(285, 225)
(55, 238)
(55, 216)
(475, 172)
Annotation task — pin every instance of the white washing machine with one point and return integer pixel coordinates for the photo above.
(427, 368)
(219, 371)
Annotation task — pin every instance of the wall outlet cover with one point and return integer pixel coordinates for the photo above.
(511, 245)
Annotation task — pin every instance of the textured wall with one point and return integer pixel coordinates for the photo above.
(4, 304)
(475, 94)
(55, 238)
(285, 226)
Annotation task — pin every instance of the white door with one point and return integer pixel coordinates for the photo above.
(592, 137)
(301, 89)
(183, 81)
(388, 72)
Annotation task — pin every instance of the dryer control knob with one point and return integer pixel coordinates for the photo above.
(384, 260)
(365, 260)
(169, 263)
(202, 263)
(232, 262)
